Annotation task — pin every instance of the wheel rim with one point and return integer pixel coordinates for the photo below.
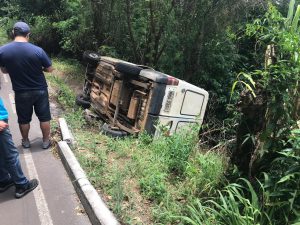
(94, 55)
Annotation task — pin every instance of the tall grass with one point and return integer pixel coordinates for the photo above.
(151, 163)
(275, 200)
(204, 173)
(237, 204)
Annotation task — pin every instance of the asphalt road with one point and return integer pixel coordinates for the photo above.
(54, 201)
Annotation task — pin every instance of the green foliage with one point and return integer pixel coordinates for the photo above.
(205, 172)
(275, 198)
(42, 34)
(108, 50)
(65, 95)
(246, 84)
(153, 184)
(70, 68)
(72, 71)
(151, 162)
(237, 204)
(279, 80)
(76, 119)
(118, 190)
(177, 149)
(3, 37)
(283, 183)
(74, 27)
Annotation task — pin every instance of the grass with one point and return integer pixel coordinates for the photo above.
(237, 204)
(143, 181)
(68, 69)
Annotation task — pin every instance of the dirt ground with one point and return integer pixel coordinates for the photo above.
(55, 108)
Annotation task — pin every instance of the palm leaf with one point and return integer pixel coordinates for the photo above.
(232, 89)
(296, 19)
(291, 12)
(254, 198)
(249, 88)
(248, 77)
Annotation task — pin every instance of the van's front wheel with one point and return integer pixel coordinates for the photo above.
(83, 101)
(91, 57)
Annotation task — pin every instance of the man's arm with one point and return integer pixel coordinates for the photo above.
(48, 69)
(3, 69)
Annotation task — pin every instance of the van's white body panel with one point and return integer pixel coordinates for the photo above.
(182, 105)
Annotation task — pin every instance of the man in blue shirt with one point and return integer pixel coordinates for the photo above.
(10, 168)
(25, 64)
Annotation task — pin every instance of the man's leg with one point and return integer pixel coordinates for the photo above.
(24, 129)
(42, 110)
(10, 156)
(5, 179)
(24, 108)
(45, 127)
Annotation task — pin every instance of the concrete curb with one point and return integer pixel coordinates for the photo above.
(94, 206)
(65, 132)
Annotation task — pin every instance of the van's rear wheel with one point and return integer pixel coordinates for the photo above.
(91, 57)
(107, 130)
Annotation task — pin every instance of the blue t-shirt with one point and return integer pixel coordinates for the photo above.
(3, 111)
(25, 62)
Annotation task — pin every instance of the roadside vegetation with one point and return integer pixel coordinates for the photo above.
(244, 166)
(3, 37)
(143, 180)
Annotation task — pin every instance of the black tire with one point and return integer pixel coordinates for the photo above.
(105, 128)
(128, 69)
(91, 58)
(83, 101)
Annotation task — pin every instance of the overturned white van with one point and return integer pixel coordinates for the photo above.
(131, 98)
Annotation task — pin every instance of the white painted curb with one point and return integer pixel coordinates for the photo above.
(65, 132)
(94, 206)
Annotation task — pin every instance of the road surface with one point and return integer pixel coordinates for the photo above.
(54, 201)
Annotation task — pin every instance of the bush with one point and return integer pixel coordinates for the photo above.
(153, 184)
(43, 34)
(204, 173)
(177, 148)
(283, 184)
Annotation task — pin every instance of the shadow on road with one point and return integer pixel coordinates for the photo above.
(35, 146)
(8, 195)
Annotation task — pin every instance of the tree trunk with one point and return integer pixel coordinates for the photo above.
(253, 122)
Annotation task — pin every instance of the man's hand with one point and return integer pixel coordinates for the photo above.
(49, 69)
(3, 125)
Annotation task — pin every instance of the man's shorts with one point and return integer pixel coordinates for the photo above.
(27, 101)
